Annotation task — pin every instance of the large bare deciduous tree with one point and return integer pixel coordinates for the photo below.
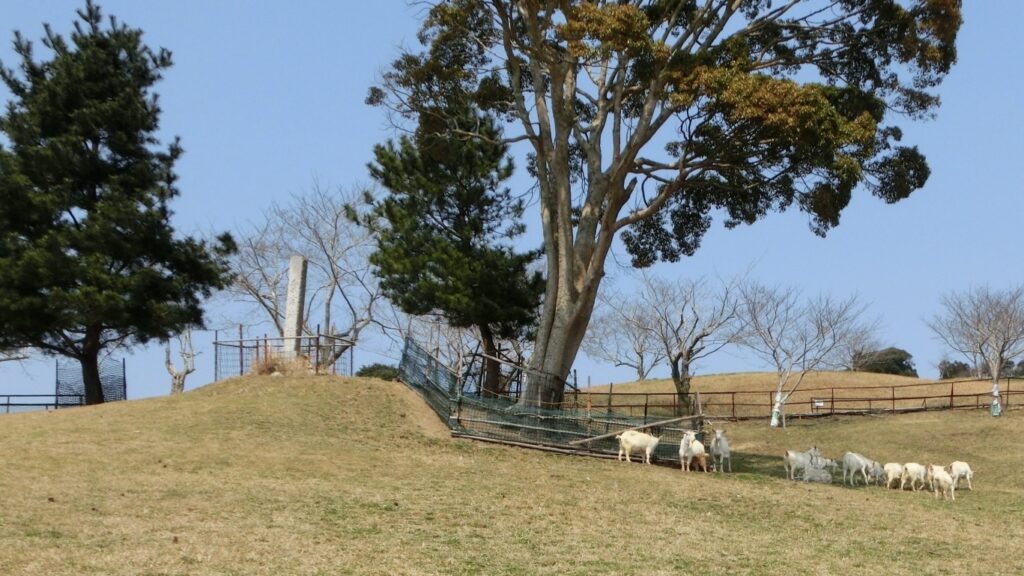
(692, 320)
(622, 334)
(648, 117)
(797, 336)
(982, 323)
(344, 292)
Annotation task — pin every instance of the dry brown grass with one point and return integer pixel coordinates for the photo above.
(277, 363)
(321, 475)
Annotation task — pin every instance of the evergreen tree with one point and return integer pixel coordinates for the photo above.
(890, 360)
(441, 250)
(88, 258)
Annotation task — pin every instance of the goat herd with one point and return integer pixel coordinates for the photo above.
(812, 465)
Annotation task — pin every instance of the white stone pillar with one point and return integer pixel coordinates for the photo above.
(293, 310)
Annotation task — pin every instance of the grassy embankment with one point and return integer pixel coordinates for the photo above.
(350, 476)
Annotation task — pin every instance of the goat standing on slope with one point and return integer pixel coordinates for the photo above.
(631, 440)
(960, 470)
(689, 448)
(854, 463)
(720, 451)
(893, 472)
(793, 461)
(913, 473)
(939, 479)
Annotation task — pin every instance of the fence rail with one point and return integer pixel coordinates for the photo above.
(741, 405)
(29, 402)
(598, 416)
(319, 354)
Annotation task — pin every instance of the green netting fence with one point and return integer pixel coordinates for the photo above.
(501, 419)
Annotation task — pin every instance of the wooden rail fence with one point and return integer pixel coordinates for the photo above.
(739, 404)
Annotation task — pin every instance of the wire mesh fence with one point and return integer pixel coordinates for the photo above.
(571, 428)
(70, 389)
(320, 354)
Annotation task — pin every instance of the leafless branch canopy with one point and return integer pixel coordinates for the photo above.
(983, 323)
(796, 336)
(343, 292)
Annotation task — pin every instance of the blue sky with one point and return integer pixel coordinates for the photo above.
(267, 96)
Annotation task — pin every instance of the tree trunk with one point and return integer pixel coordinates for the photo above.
(777, 409)
(681, 378)
(91, 368)
(997, 405)
(492, 368)
(552, 360)
(178, 383)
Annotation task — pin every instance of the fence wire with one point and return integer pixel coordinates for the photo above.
(315, 354)
(502, 419)
(71, 387)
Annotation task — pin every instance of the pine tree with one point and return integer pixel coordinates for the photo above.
(88, 258)
(440, 249)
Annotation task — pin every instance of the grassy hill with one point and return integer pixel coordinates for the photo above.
(321, 475)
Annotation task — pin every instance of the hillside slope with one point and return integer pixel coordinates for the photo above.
(321, 475)
(764, 382)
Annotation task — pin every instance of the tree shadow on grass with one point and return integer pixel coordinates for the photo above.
(758, 464)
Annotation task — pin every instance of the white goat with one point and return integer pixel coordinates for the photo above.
(913, 473)
(877, 473)
(854, 463)
(689, 447)
(720, 451)
(960, 470)
(631, 440)
(893, 471)
(812, 474)
(829, 463)
(793, 461)
(939, 479)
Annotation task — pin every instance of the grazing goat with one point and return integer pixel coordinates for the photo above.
(720, 451)
(813, 474)
(893, 471)
(939, 479)
(689, 448)
(854, 463)
(793, 461)
(877, 473)
(631, 440)
(914, 473)
(960, 470)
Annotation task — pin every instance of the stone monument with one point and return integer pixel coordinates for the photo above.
(293, 310)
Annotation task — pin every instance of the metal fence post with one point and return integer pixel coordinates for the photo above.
(216, 355)
(241, 353)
